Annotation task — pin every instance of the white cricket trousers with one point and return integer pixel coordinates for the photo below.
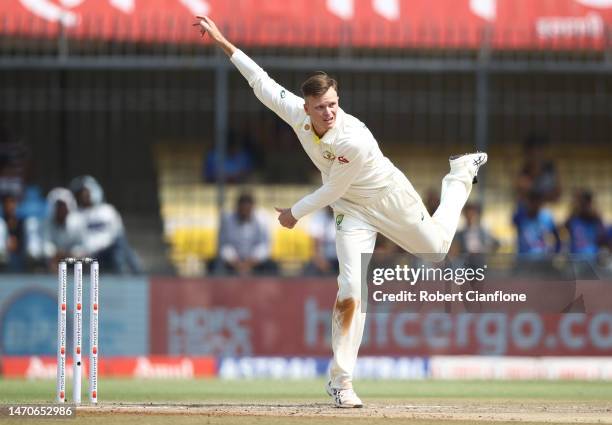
(399, 214)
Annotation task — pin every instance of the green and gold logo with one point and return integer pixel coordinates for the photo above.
(339, 219)
(329, 156)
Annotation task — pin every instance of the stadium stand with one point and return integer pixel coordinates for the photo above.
(190, 214)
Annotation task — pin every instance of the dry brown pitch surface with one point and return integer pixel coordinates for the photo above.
(373, 413)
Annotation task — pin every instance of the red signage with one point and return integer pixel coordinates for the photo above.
(159, 367)
(240, 317)
(281, 317)
(531, 24)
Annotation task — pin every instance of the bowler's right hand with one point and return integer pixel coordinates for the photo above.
(207, 25)
(286, 218)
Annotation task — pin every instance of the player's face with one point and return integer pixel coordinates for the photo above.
(322, 110)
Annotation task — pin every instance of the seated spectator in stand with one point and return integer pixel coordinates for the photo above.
(322, 229)
(244, 241)
(473, 241)
(64, 228)
(238, 162)
(32, 203)
(104, 237)
(16, 235)
(33, 210)
(537, 234)
(586, 229)
(537, 173)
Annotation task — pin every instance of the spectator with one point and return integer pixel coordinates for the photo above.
(33, 210)
(585, 227)
(64, 228)
(244, 241)
(322, 230)
(535, 229)
(538, 173)
(104, 237)
(32, 203)
(238, 162)
(16, 235)
(473, 241)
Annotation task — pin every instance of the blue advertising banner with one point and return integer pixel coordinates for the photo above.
(28, 315)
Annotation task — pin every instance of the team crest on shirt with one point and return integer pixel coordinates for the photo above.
(339, 219)
(329, 155)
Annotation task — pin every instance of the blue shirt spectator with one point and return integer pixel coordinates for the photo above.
(584, 235)
(586, 229)
(32, 204)
(537, 233)
(238, 163)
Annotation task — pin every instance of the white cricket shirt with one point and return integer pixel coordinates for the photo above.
(352, 166)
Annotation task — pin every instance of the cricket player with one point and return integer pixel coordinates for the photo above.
(367, 193)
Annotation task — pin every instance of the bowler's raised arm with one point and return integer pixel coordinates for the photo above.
(281, 101)
(207, 26)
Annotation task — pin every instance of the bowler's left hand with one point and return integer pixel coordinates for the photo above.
(285, 217)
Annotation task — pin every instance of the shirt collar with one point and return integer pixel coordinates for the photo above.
(330, 136)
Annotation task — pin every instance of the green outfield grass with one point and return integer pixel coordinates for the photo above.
(216, 390)
(540, 396)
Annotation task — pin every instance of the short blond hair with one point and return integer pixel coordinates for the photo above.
(318, 84)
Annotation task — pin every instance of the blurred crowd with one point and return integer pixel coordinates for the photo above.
(35, 233)
(245, 243)
(244, 237)
(76, 221)
(583, 234)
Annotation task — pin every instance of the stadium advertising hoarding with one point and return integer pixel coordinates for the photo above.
(240, 317)
(367, 367)
(28, 315)
(277, 317)
(279, 328)
(280, 317)
(514, 24)
(141, 367)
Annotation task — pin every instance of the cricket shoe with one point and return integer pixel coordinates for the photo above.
(471, 161)
(343, 398)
